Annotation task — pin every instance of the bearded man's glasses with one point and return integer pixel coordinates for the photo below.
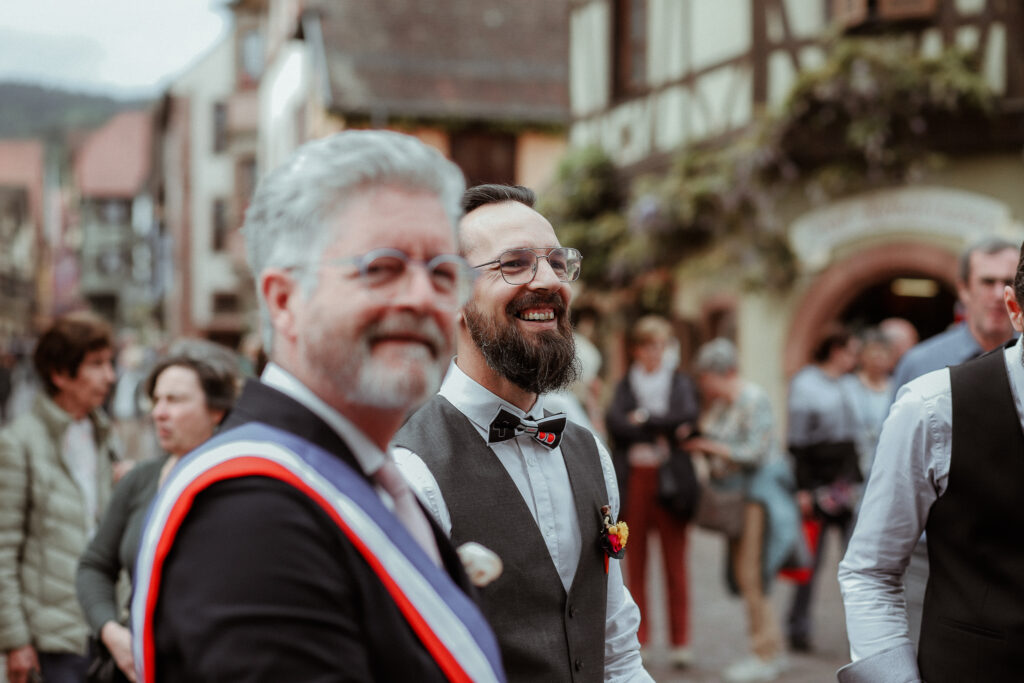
(519, 266)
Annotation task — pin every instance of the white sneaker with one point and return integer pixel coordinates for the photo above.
(681, 656)
(754, 669)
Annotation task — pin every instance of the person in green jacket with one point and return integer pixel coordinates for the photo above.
(55, 481)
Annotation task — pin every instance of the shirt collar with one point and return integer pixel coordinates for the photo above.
(477, 403)
(969, 346)
(366, 453)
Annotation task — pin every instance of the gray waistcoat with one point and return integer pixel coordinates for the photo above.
(972, 628)
(544, 634)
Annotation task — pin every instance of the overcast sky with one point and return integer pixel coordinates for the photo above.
(126, 48)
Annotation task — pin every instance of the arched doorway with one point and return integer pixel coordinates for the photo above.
(926, 302)
(859, 289)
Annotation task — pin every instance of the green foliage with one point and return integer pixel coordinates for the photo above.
(584, 207)
(873, 108)
(870, 115)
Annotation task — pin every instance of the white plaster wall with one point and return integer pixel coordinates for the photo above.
(670, 118)
(781, 76)
(719, 29)
(806, 17)
(210, 81)
(725, 98)
(589, 58)
(626, 131)
(283, 90)
(970, 6)
(994, 65)
(762, 322)
(668, 40)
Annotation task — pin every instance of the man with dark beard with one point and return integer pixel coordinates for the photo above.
(496, 469)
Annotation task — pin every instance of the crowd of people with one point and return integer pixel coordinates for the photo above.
(416, 481)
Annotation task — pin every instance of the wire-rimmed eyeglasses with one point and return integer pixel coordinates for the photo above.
(449, 274)
(519, 266)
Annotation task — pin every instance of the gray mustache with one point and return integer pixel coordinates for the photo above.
(424, 329)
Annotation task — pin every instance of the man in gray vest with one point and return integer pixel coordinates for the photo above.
(495, 468)
(950, 461)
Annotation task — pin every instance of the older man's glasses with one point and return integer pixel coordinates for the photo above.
(382, 269)
(519, 266)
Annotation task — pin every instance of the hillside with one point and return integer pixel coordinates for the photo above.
(35, 111)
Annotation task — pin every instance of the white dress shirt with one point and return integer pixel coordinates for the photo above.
(540, 476)
(366, 453)
(910, 472)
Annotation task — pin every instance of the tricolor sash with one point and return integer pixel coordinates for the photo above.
(447, 622)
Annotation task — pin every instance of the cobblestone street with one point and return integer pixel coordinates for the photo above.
(718, 621)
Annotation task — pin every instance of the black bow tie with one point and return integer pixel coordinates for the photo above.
(547, 431)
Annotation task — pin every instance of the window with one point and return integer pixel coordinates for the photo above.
(251, 57)
(13, 211)
(114, 212)
(245, 181)
(629, 36)
(225, 303)
(220, 127)
(220, 225)
(485, 156)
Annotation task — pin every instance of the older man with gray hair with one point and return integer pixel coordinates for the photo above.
(289, 547)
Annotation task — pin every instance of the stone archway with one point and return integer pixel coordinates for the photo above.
(839, 284)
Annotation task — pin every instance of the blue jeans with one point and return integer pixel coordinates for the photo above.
(63, 667)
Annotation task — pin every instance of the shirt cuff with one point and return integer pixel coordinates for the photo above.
(898, 665)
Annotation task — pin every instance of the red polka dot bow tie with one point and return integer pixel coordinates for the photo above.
(547, 431)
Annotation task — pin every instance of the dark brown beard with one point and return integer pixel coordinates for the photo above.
(546, 362)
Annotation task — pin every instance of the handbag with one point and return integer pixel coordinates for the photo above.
(800, 566)
(678, 489)
(721, 511)
(103, 668)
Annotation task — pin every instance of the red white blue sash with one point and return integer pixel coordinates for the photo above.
(448, 623)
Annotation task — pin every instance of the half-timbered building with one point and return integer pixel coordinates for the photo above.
(649, 78)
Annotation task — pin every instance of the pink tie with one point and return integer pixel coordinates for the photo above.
(407, 508)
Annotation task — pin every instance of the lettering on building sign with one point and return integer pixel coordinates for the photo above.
(921, 211)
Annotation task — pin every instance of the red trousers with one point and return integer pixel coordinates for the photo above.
(643, 514)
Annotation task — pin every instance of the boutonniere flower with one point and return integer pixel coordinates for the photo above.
(613, 536)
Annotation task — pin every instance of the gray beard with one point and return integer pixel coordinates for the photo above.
(364, 380)
(394, 388)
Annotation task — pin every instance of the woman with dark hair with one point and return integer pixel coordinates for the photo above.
(654, 406)
(191, 391)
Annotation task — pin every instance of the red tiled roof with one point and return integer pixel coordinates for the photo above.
(489, 60)
(114, 161)
(21, 165)
(21, 162)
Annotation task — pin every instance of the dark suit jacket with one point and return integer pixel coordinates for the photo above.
(261, 585)
(683, 407)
